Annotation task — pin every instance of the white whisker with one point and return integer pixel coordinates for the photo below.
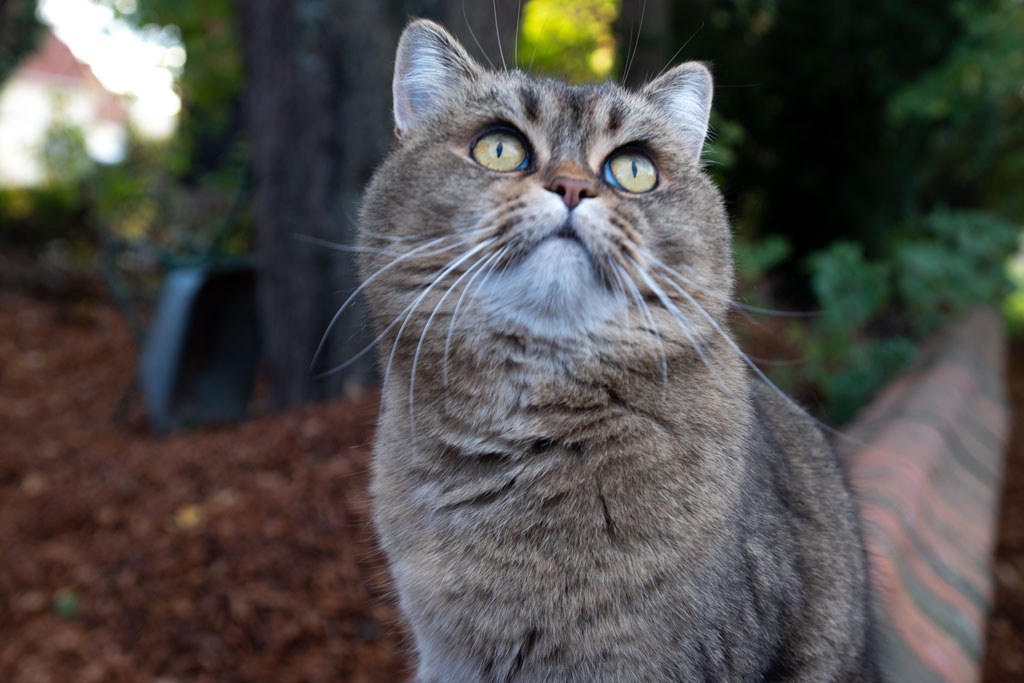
(423, 335)
(473, 35)
(491, 261)
(684, 322)
(722, 297)
(497, 34)
(366, 349)
(673, 57)
(351, 298)
(543, 28)
(515, 48)
(455, 264)
(639, 30)
(337, 246)
(645, 311)
(751, 364)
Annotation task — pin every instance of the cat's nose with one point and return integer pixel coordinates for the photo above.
(572, 190)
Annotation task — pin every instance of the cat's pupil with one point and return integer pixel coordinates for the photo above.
(501, 147)
(634, 169)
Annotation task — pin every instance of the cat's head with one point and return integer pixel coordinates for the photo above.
(555, 207)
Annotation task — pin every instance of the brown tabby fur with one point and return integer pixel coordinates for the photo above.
(554, 506)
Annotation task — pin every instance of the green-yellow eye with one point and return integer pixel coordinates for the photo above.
(631, 171)
(500, 150)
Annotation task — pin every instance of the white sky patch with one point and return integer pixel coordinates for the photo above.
(138, 63)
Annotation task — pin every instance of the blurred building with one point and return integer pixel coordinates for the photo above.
(51, 88)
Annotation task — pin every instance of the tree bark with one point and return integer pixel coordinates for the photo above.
(19, 33)
(318, 106)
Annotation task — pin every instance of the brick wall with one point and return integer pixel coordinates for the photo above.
(926, 461)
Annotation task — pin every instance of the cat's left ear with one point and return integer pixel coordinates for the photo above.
(431, 68)
(684, 94)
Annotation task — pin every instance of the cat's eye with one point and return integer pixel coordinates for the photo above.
(500, 150)
(632, 171)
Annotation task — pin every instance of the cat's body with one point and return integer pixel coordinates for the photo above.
(576, 478)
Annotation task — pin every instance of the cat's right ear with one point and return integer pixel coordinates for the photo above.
(684, 94)
(431, 68)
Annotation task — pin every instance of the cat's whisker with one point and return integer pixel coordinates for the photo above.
(366, 349)
(515, 46)
(497, 34)
(752, 365)
(639, 31)
(629, 46)
(472, 34)
(619, 290)
(337, 246)
(683, 47)
(684, 322)
(491, 261)
(722, 297)
(452, 266)
(352, 296)
(645, 311)
(543, 28)
(423, 335)
(392, 238)
(744, 309)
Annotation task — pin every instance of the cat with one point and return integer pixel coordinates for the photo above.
(576, 476)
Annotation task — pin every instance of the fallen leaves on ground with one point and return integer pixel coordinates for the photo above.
(237, 553)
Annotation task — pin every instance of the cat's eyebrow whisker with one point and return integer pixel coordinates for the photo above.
(515, 45)
(423, 335)
(473, 35)
(543, 28)
(673, 57)
(497, 34)
(352, 296)
(639, 30)
(645, 311)
(489, 263)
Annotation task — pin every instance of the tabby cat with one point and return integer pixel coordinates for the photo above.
(577, 477)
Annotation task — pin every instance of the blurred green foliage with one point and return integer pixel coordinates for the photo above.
(176, 200)
(885, 146)
(142, 204)
(65, 159)
(874, 310)
(30, 218)
(568, 39)
(208, 146)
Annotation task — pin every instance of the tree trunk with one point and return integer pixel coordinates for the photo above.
(317, 121)
(318, 105)
(19, 33)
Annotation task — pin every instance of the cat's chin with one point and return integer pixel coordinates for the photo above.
(554, 292)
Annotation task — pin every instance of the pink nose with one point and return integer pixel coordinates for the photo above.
(572, 190)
